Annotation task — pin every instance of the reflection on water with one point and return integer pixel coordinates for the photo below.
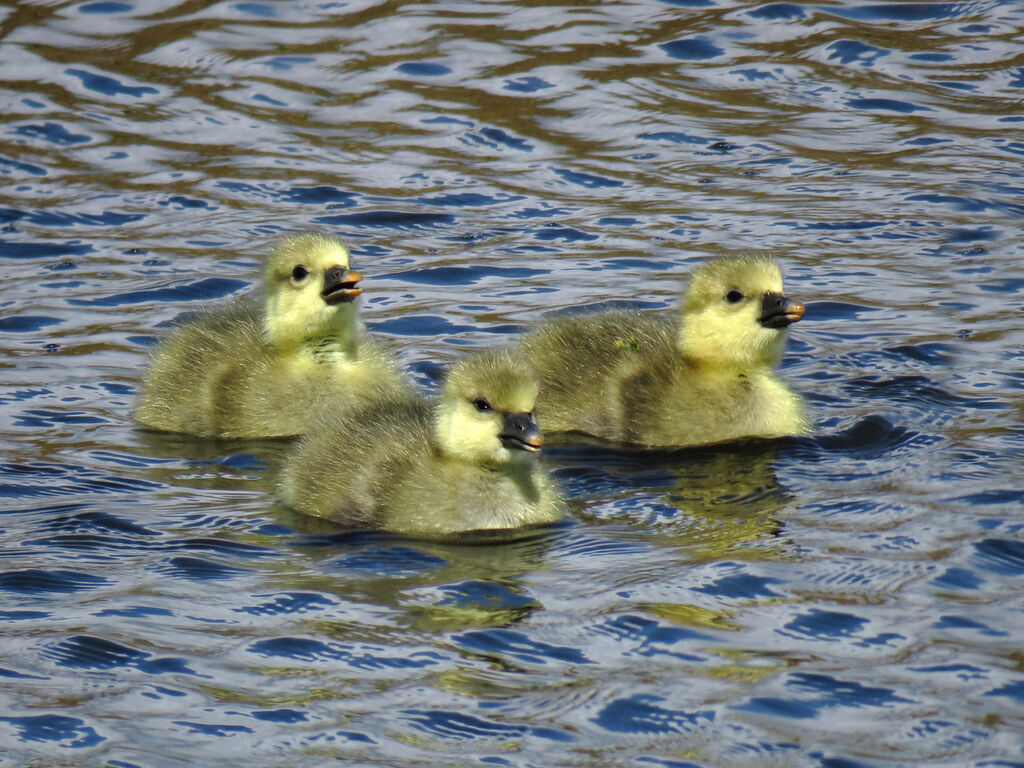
(489, 165)
(712, 502)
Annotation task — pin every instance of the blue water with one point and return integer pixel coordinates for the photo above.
(849, 599)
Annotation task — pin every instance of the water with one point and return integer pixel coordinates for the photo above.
(853, 599)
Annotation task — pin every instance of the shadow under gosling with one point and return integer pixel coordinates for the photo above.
(710, 377)
(249, 371)
(466, 462)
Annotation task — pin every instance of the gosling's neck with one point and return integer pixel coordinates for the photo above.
(716, 349)
(329, 336)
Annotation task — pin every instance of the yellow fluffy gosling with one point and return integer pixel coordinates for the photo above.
(466, 462)
(638, 378)
(265, 371)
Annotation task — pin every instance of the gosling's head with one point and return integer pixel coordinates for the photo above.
(486, 412)
(735, 313)
(310, 291)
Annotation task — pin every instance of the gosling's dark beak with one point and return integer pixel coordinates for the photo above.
(340, 285)
(522, 433)
(777, 311)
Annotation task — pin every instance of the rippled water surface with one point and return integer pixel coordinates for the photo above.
(851, 599)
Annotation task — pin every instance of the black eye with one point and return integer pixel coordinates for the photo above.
(482, 404)
(734, 296)
(299, 273)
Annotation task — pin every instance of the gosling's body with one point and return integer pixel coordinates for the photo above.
(405, 464)
(249, 371)
(643, 379)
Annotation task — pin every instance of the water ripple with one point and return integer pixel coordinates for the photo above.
(460, 726)
(361, 657)
(70, 732)
(833, 693)
(870, 437)
(206, 288)
(199, 569)
(649, 637)
(85, 652)
(39, 581)
(642, 714)
(1000, 556)
(288, 603)
(516, 645)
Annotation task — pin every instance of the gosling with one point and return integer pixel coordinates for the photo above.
(251, 371)
(708, 378)
(467, 462)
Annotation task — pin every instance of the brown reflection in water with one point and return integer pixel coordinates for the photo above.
(726, 500)
(493, 563)
(207, 464)
(730, 504)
